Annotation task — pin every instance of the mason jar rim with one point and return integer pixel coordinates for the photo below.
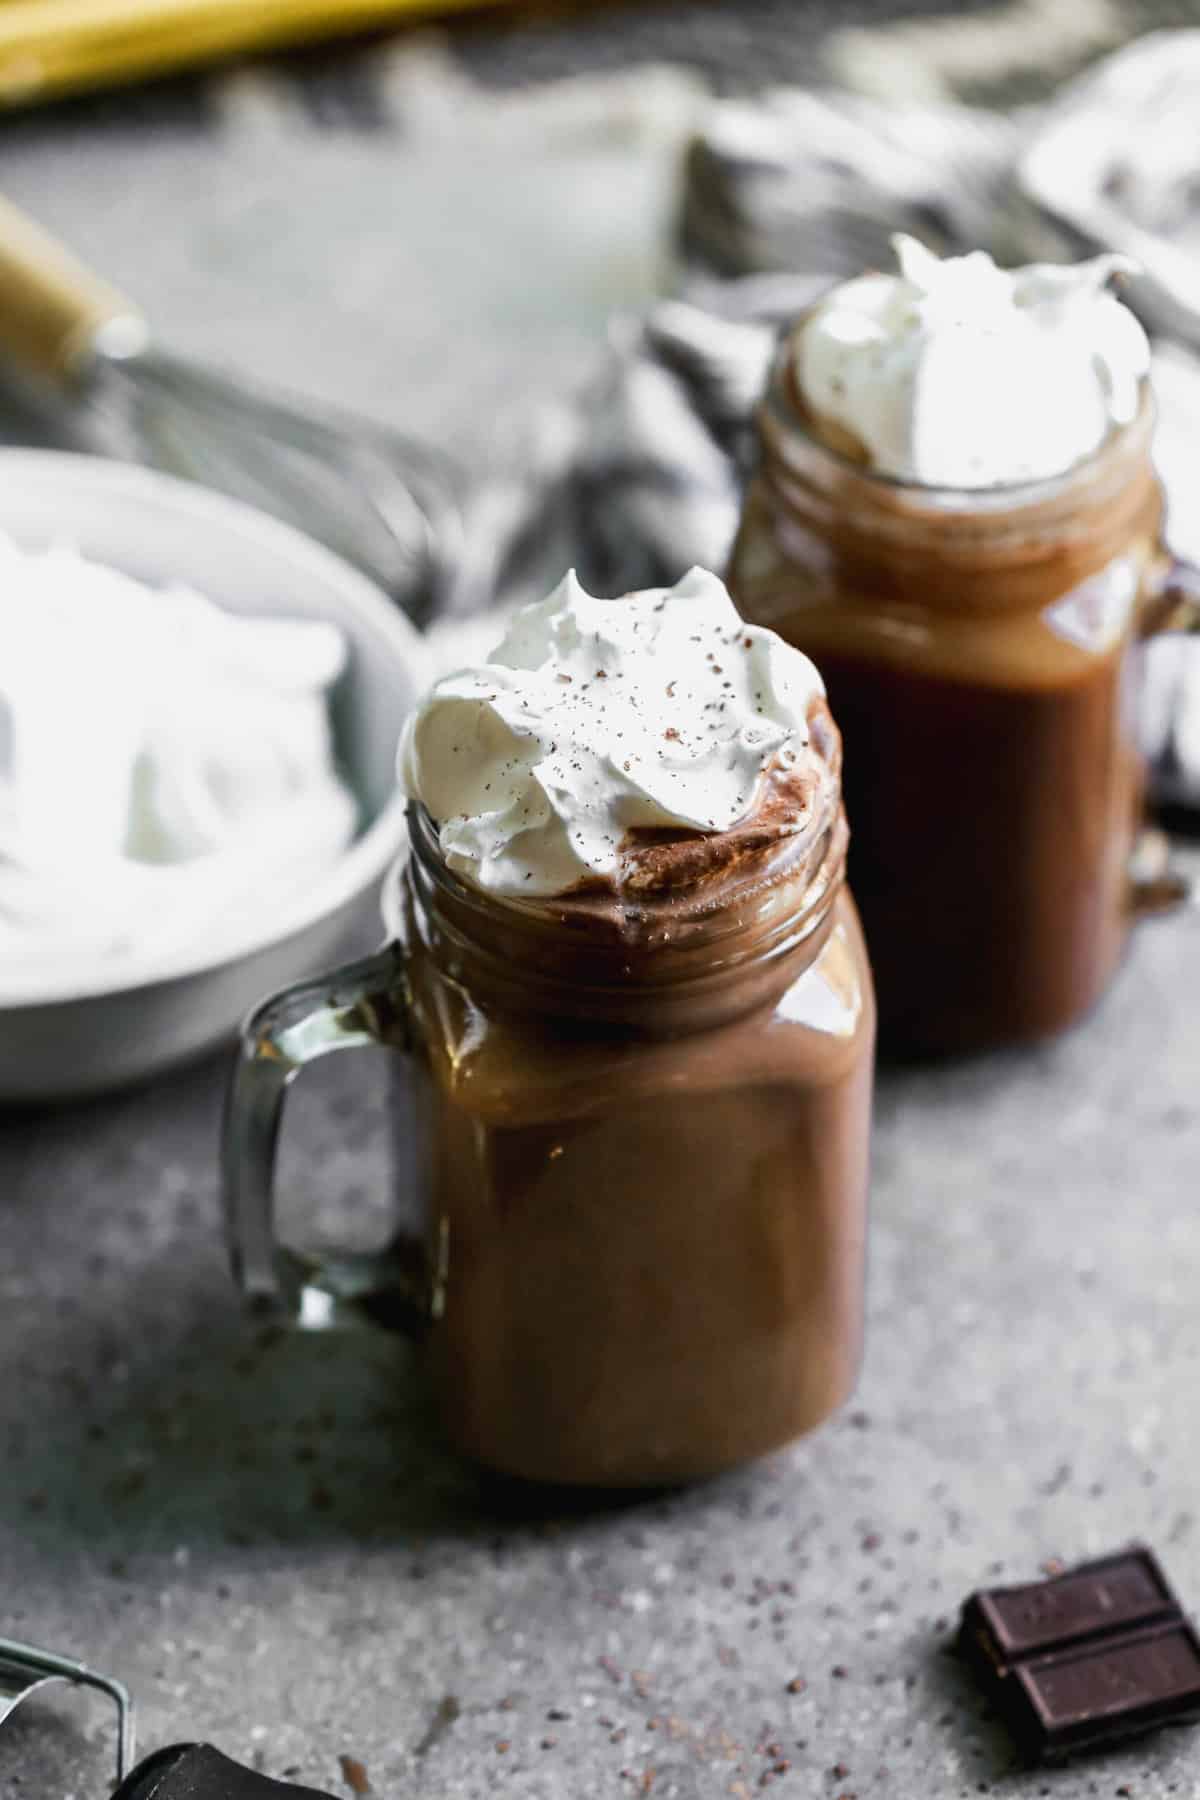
(509, 945)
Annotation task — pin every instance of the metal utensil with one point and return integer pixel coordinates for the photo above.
(385, 501)
(178, 1772)
(25, 1669)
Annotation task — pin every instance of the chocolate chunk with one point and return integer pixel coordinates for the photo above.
(1124, 1590)
(1109, 1689)
(1086, 1658)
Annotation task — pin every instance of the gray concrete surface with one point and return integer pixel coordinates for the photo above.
(264, 1538)
(262, 1534)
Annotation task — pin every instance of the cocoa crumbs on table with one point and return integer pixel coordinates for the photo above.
(354, 1774)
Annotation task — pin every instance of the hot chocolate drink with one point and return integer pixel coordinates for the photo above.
(634, 979)
(977, 638)
(649, 1090)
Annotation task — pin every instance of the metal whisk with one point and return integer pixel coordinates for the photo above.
(386, 501)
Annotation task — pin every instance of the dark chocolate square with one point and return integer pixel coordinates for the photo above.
(1085, 1658)
(1105, 1690)
(1088, 1601)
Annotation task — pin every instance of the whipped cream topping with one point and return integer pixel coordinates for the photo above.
(959, 374)
(595, 717)
(167, 772)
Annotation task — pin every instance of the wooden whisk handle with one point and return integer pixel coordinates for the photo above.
(51, 306)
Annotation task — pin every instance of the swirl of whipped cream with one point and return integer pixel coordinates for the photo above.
(595, 717)
(168, 773)
(959, 374)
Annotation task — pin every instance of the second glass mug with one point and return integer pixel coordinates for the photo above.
(645, 1172)
(978, 648)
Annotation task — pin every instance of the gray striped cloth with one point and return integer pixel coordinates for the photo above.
(642, 475)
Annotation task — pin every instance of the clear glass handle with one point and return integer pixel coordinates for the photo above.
(1156, 884)
(1175, 607)
(364, 1004)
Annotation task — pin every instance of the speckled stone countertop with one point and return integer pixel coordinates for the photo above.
(260, 1533)
(263, 1537)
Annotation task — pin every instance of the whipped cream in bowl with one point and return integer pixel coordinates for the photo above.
(958, 374)
(199, 709)
(597, 722)
(166, 768)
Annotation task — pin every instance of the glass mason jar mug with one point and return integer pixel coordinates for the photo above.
(978, 649)
(643, 1163)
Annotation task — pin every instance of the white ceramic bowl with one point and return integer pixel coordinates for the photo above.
(160, 529)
